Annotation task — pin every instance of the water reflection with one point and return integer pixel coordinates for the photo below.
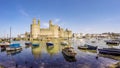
(52, 50)
(13, 52)
(69, 59)
(36, 51)
(3, 49)
(51, 57)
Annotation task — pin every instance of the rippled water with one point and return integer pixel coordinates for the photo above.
(43, 57)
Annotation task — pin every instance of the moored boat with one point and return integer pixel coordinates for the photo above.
(49, 44)
(12, 47)
(82, 47)
(64, 43)
(28, 43)
(69, 59)
(90, 47)
(35, 44)
(93, 41)
(4, 44)
(69, 51)
(112, 41)
(110, 51)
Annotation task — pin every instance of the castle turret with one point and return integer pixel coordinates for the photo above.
(38, 22)
(34, 21)
(50, 25)
(35, 29)
(50, 22)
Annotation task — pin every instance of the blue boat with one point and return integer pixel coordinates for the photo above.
(49, 44)
(14, 46)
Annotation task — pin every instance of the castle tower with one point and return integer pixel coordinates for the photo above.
(34, 21)
(38, 22)
(35, 29)
(50, 24)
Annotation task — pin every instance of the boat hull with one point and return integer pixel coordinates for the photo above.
(13, 49)
(82, 47)
(115, 52)
(35, 44)
(49, 44)
(69, 59)
(28, 43)
(70, 56)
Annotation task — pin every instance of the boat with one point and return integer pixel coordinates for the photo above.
(110, 51)
(64, 43)
(82, 47)
(93, 41)
(14, 46)
(35, 44)
(112, 41)
(4, 44)
(69, 59)
(89, 47)
(28, 43)
(49, 44)
(69, 51)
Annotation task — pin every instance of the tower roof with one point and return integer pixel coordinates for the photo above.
(34, 20)
(38, 21)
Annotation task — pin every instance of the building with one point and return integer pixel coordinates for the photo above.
(54, 31)
(25, 36)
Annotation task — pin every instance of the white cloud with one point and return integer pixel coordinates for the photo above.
(23, 12)
(46, 25)
(57, 20)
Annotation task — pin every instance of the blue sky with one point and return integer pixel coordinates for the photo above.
(81, 16)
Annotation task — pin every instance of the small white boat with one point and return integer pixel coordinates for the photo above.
(4, 44)
(13, 49)
(64, 43)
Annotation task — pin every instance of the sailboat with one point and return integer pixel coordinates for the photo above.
(13, 46)
(4, 44)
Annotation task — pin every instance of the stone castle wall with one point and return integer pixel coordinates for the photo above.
(53, 31)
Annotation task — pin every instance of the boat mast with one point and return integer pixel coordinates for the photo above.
(10, 35)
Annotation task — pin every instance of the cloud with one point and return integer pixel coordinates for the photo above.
(23, 12)
(57, 20)
(45, 24)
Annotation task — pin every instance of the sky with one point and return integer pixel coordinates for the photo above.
(80, 16)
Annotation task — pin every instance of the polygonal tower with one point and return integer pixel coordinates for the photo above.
(35, 29)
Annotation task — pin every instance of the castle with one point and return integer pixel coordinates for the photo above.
(54, 31)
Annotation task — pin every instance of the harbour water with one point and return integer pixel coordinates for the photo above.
(44, 57)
